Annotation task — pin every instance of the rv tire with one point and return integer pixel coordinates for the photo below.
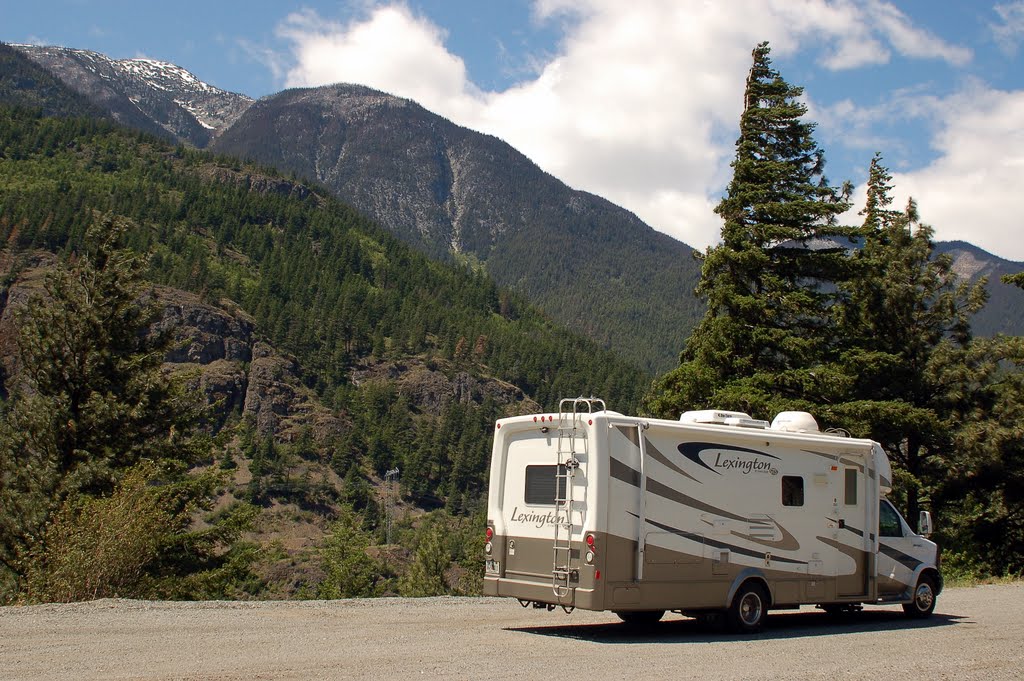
(640, 617)
(748, 609)
(924, 598)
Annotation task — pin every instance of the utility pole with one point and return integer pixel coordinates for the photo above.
(390, 499)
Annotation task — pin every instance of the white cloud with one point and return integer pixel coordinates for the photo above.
(391, 49)
(911, 41)
(640, 101)
(972, 191)
(1010, 32)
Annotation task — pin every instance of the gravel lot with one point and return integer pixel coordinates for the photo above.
(976, 633)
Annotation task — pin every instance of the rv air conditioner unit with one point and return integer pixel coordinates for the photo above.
(725, 418)
(795, 422)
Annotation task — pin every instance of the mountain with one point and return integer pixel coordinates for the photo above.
(1004, 312)
(25, 83)
(145, 94)
(454, 192)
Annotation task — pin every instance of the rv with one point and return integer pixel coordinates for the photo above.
(714, 516)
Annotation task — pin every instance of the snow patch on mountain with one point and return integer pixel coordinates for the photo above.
(172, 98)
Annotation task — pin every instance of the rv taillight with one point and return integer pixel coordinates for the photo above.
(591, 550)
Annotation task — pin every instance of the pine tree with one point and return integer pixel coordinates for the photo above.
(769, 284)
(89, 399)
(350, 571)
(903, 308)
(1016, 279)
(979, 487)
(425, 576)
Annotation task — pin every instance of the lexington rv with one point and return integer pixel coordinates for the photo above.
(715, 514)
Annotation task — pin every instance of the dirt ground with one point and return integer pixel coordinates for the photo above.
(976, 633)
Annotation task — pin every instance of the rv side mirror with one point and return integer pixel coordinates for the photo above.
(924, 524)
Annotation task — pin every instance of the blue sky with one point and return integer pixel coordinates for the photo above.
(636, 101)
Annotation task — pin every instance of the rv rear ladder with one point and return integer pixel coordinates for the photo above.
(562, 571)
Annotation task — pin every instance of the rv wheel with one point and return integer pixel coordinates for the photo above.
(924, 598)
(640, 617)
(749, 607)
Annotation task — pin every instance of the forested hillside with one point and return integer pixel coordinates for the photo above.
(456, 193)
(415, 358)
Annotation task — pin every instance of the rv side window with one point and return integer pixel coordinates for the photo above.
(851, 487)
(540, 485)
(889, 521)
(792, 490)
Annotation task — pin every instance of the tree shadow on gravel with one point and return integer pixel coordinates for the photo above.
(777, 626)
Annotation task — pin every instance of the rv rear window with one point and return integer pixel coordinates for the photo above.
(792, 490)
(850, 495)
(540, 485)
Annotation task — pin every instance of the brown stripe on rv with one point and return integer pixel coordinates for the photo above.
(662, 490)
(623, 472)
(909, 561)
(656, 454)
(630, 433)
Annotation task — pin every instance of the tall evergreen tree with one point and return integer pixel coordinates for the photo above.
(902, 307)
(89, 399)
(769, 284)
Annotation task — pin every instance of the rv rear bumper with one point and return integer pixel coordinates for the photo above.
(525, 590)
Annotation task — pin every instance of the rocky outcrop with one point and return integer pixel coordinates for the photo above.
(239, 373)
(432, 385)
(215, 345)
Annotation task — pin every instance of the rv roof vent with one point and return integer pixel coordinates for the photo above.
(711, 416)
(795, 422)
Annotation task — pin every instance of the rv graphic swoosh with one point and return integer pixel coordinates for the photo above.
(656, 454)
(692, 451)
(702, 539)
(787, 543)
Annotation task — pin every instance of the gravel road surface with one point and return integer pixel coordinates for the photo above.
(976, 633)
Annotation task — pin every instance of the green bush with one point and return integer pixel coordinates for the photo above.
(101, 547)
